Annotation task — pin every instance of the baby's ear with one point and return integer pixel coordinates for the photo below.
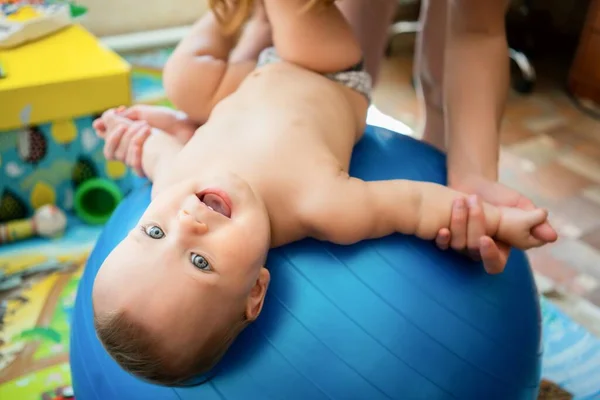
(256, 298)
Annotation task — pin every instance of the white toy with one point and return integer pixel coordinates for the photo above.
(48, 221)
(26, 21)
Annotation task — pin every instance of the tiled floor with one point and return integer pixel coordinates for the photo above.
(551, 153)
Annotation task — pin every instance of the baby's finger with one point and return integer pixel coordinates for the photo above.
(545, 232)
(132, 113)
(493, 256)
(134, 159)
(442, 239)
(99, 127)
(141, 135)
(112, 141)
(109, 113)
(121, 152)
(458, 224)
(136, 148)
(138, 140)
(136, 151)
(475, 226)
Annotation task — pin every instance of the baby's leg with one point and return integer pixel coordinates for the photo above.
(319, 39)
(255, 37)
(198, 75)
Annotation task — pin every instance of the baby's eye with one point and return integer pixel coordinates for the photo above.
(200, 262)
(154, 232)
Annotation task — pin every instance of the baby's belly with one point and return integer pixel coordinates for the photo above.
(282, 99)
(284, 78)
(291, 92)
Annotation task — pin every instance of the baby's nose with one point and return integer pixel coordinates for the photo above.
(191, 224)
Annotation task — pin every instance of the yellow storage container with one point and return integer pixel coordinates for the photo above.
(50, 92)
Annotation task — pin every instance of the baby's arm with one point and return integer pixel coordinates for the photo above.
(158, 152)
(137, 144)
(198, 75)
(350, 210)
(173, 122)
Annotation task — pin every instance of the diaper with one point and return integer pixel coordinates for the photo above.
(355, 77)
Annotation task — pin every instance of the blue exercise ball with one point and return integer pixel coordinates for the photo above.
(393, 318)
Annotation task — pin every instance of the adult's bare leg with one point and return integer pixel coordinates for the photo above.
(429, 70)
(370, 21)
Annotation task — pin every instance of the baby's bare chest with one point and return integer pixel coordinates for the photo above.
(280, 129)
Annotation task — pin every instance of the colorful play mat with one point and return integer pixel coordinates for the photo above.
(38, 282)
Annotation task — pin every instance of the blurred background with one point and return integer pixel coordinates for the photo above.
(550, 152)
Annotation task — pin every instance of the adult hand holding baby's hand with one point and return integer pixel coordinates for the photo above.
(124, 138)
(467, 227)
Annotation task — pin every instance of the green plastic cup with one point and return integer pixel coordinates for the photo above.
(95, 200)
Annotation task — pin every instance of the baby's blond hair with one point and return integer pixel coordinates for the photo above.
(232, 14)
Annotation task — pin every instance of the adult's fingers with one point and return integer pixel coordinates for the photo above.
(442, 239)
(475, 226)
(458, 224)
(494, 255)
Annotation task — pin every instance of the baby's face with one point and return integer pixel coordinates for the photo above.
(196, 256)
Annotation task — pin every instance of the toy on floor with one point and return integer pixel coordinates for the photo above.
(392, 318)
(14, 280)
(96, 199)
(48, 221)
(26, 21)
(65, 393)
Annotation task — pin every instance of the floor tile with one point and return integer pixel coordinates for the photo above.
(556, 182)
(564, 105)
(588, 149)
(543, 123)
(594, 297)
(544, 262)
(592, 238)
(577, 254)
(573, 216)
(583, 284)
(567, 135)
(588, 128)
(581, 164)
(540, 149)
(512, 133)
(522, 108)
(592, 193)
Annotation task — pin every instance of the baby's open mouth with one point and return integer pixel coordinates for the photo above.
(215, 202)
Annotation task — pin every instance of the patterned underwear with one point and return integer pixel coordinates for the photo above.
(354, 77)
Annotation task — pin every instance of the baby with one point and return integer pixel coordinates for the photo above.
(268, 166)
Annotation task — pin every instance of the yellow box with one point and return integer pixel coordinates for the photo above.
(52, 90)
(67, 74)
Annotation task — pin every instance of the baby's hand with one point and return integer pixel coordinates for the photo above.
(99, 125)
(124, 138)
(516, 227)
